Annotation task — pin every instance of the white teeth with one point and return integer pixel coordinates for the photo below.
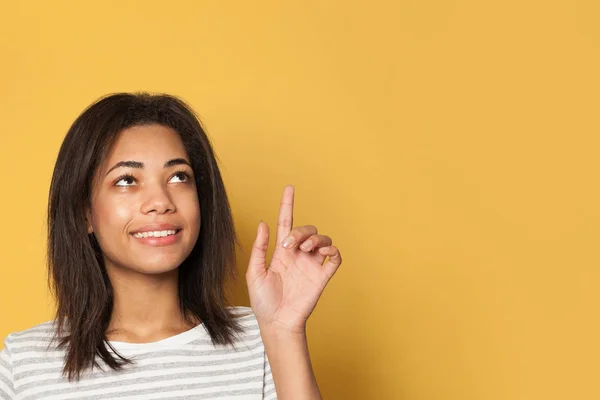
(141, 235)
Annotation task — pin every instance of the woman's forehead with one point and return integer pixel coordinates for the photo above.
(146, 143)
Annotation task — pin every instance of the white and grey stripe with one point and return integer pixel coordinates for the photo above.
(184, 366)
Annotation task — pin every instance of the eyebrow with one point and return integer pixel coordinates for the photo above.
(140, 165)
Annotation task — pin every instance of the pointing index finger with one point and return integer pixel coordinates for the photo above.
(286, 213)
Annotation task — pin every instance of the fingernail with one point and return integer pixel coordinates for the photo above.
(306, 245)
(288, 242)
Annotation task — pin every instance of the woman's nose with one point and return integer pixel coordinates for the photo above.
(157, 199)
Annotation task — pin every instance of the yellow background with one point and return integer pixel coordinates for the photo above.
(450, 148)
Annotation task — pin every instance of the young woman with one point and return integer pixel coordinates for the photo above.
(140, 244)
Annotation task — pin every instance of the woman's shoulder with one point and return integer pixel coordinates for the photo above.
(36, 335)
(42, 329)
(241, 311)
(247, 321)
(43, 333)
(244, 315)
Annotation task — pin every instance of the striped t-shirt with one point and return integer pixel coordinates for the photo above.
(184, 366)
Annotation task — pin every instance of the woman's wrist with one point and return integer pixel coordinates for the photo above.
(282, 330)
(287, 351)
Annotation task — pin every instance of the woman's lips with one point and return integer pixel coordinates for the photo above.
(159, 241)
(157, 226)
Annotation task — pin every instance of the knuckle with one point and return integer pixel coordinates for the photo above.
(285, 222)
(261, 246)
(308, 230)
(327, 239)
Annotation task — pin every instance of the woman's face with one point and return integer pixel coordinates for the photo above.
(145, 212)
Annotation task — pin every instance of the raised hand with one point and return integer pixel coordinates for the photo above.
(285, 294)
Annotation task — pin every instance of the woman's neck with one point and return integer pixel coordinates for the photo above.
(145, 307)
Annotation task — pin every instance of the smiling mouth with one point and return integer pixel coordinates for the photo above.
(156, 234)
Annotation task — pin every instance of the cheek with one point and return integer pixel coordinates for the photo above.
(110, 216)
(190, 208)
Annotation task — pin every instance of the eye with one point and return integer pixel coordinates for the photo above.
(182, 176)
(125, 180)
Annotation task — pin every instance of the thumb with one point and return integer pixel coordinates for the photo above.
(258, 257)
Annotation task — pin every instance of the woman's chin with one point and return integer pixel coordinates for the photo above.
(160, 269)
(150, 266)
